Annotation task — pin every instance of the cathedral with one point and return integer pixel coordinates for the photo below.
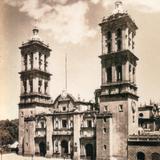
(114, 127)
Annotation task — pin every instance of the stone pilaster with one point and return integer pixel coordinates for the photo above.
(49, 137)
(76, 137)
(21, 133)
(29, 135)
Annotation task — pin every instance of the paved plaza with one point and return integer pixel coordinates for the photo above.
(13, 156)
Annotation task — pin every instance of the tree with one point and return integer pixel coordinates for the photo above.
(8, 131)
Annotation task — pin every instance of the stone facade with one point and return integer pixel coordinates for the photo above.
(112, 128)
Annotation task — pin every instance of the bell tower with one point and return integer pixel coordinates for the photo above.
(34, 97)
(118, 93)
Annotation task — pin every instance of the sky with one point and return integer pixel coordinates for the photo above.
(71, 27)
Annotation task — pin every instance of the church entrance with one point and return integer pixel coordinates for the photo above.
(89, 151)
(155, 156)
(64, 146)
(42, 149)
(140, 156)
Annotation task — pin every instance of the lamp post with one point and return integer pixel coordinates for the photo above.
(32, 156)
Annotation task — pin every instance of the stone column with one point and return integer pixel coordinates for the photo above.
(123, 72)
(28, 62)
(49, 141)
(127, 71)
(59, 124)
(42, 62)
(114, 46)
(28, 86)
(35, 85)
(104, 75)
(104, 48)
(69, 147)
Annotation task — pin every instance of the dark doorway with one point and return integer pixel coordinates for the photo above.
(155, 156)
(64, 145)
(140, 156)
(42, 148)
(89, 151)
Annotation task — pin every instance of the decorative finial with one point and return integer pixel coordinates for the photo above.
(64, 94)
(118, 7)
(36, 31)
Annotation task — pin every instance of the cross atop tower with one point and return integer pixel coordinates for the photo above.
(118, 7)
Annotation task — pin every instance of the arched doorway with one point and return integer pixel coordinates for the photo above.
(64, 147)
(155, 156)
(42, 149)
(89, 151)
(140, 156)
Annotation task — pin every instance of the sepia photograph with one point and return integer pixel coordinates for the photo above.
(79, 80)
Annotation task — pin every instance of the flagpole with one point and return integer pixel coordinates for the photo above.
(66, 72)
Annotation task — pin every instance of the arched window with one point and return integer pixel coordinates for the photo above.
(45, 87)
(155, 156)
(119, 33)
(109, 35)
(31, 60)
(140, 156)
(109, 74)
(119, 39)
(39, 86)
(25, 86)
(40, 60)
(119, 45)
(64, 147)
(109, 47)
(45, 62)
(25, 61)
(119, 73)
(31, 85)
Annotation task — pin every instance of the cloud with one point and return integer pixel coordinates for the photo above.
(66, 22)
(13, 3)
(60, 1)
(141, 5)
(145, 5)
(66, 19)
(34, 9)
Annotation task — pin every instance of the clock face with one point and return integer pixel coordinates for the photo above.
(133, 105)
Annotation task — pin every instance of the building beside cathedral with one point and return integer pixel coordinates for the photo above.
(115, 127)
